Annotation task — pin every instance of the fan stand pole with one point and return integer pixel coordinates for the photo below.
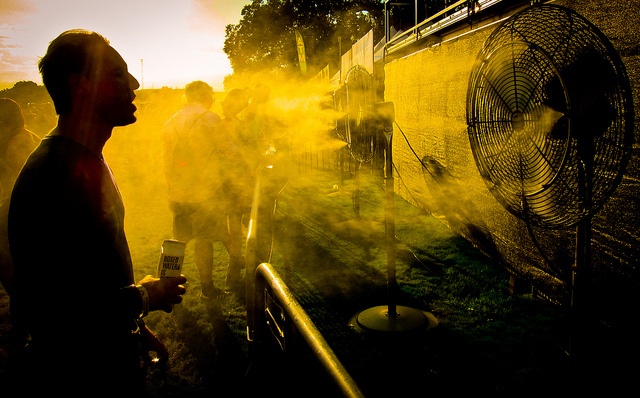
(391, 318)
(581, 278)
(356, 189)
(580, 296)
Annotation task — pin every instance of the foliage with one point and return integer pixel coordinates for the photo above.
(25, 92)
(264, 39)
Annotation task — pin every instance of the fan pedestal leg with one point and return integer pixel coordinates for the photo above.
(406, 319)
(391, 318)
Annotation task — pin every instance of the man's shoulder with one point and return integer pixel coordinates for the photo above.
(198, 114)
(207, 121)
(27, 141)
(211, 117)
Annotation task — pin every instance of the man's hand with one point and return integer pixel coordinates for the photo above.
(164, 293)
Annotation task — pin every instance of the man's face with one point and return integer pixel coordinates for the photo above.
(114, 90)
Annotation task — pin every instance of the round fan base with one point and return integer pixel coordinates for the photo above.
(377, 319)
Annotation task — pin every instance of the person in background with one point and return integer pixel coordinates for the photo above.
(194, 162)
(238, 184)
(263, 135)
(257, 126)
(16, 143)
(74, 281)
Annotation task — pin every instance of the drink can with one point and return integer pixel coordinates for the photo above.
(171, 258)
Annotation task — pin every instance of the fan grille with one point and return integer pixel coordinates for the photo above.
(359, 93)
(550, 116)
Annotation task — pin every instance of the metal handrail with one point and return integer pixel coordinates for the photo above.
(261, 277)
(434, 23)
(266, 277)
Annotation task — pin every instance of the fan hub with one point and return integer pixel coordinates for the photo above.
(517, 121)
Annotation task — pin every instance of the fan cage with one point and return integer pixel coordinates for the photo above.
(550, 116)
(360, 136)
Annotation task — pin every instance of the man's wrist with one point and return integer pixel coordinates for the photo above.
(144, 295)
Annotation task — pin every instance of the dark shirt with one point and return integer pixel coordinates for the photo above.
(72, 267)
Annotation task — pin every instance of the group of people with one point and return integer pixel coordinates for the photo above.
(209, 180)
(65, 258)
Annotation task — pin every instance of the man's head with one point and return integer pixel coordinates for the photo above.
(235, 101)
(199, 92)
(81, 69)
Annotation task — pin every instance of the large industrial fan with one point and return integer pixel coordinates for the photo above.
(360, 134)
(359, 92)
(550, 123)
(369, 127)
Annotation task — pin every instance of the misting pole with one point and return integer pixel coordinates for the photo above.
(390, 318)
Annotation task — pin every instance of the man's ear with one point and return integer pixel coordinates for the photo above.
(80, 92)
(77, 84)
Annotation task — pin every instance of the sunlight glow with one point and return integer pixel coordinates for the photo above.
(165, 42)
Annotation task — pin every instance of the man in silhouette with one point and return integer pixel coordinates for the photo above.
(74, 282)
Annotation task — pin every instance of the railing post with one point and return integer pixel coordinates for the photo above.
(260, 235)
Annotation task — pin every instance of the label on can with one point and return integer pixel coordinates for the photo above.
(171, 258)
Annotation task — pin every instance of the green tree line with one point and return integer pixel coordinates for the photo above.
(264, 42)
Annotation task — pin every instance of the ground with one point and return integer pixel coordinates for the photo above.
(479, 338)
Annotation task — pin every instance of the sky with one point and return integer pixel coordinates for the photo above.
(164, 42)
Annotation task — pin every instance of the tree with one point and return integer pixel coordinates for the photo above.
(264, 40)
(26, 92)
